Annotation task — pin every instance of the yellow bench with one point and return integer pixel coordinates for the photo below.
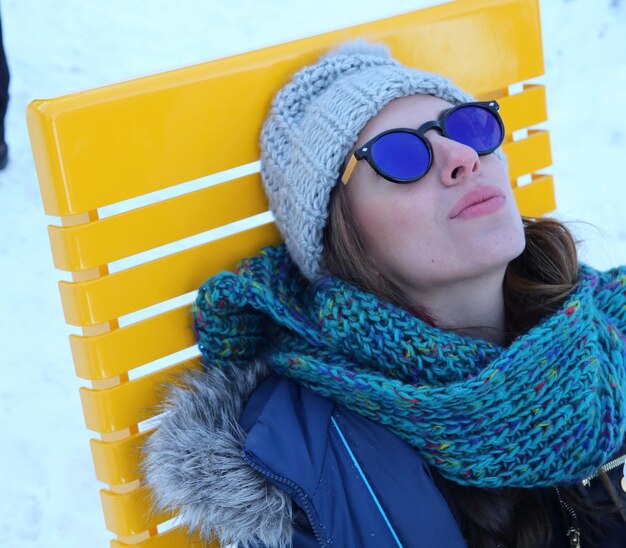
(114, 144)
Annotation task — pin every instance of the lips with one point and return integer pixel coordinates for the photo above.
(476, 196)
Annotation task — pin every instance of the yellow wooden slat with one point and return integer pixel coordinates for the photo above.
(528, 155)
(120, 350)
(162, 130)
(112, 296)
(118, 462)
(525, 109)
(106, 240)
(130, 513)
(536, 198)
(129, 403)
(174, 538)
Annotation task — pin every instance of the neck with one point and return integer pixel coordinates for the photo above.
(472, 307)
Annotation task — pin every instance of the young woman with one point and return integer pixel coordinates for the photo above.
(417, 365)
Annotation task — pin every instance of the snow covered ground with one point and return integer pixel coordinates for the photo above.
(48, 495)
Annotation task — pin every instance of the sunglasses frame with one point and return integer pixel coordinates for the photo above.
(365, 151)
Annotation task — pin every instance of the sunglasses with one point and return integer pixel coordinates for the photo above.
(404, 155)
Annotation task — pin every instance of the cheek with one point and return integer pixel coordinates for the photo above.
(397, 231)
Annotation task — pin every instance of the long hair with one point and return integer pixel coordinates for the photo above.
(535, 284)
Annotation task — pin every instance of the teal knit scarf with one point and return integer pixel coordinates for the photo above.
(546, 410)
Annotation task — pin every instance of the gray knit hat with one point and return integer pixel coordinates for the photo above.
(313, 123)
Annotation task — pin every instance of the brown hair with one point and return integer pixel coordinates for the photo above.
(535, 284)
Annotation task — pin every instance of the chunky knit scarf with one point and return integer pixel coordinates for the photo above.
(548, 409)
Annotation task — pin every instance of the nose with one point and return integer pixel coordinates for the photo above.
(454, 161)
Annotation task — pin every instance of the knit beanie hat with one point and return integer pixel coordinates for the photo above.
(313, 123)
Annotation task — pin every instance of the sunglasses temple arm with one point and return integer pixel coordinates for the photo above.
(349, 169)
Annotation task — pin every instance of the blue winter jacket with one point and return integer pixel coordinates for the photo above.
(357, 483)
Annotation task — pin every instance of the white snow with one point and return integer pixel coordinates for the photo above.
(48, 493)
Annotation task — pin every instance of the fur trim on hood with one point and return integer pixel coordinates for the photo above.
(193, 464)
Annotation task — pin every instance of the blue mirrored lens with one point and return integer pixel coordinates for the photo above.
(475, 127)
(401, 155)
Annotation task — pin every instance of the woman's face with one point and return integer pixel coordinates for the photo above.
(411, 231)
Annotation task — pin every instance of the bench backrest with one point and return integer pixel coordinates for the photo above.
(112, 162)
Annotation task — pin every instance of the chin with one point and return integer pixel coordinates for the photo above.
(495, 253)
(510, 240)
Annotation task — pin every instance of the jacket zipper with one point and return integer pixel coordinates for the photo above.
(304, 504)
(605, 468)
(573, 532)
